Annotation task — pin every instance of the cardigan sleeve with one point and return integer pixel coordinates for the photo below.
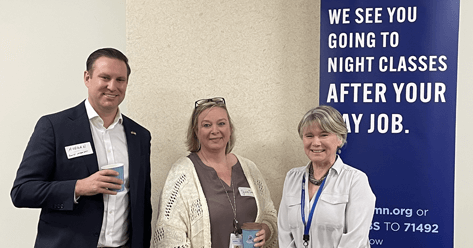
(268, 212)
(173, 219)
(270, 217)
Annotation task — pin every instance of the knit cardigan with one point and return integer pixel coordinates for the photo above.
(183, 217)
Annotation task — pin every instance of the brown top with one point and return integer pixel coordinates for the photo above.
(220, 210)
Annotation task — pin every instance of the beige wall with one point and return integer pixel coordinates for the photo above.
(262, 56)
(464, 137)
(43, 48)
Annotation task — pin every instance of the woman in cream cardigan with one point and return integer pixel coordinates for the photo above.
(211, 192)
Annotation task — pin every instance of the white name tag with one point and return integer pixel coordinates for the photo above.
(245, 191)
(78, 150)
(236, 241)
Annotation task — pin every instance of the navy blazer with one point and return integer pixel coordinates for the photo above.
(46, 179)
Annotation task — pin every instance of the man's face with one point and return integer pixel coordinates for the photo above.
(106, 83)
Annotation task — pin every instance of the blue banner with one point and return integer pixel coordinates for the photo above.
(390, 67)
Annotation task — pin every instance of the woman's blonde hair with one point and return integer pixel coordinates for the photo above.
(328, 119)
(193, 144)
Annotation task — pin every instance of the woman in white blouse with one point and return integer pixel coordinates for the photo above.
(326, 203)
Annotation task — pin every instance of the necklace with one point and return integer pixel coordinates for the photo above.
(312, 178)
(233, 205)
(235, 221)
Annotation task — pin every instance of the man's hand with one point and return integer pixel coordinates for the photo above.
(101, 182)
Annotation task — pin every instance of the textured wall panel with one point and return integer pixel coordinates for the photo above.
(262, 56)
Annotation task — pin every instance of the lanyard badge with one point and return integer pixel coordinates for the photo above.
(306, 236)
(236, 240)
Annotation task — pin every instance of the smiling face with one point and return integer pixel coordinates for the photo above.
(213, 130)
(106, 84)
(320, 146)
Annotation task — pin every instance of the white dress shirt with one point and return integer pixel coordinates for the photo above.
(342, 216)
(111, 147)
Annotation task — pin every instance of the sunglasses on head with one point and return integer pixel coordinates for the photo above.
(217, 100)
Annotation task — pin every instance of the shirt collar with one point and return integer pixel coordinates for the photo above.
(93, 116)
(337, 166)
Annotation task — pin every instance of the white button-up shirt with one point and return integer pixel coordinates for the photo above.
(111, 147)
(342, 216)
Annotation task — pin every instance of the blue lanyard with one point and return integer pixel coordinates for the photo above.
(311, 214)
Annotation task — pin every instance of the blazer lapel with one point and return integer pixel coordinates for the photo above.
(80, 127)
(134, 151)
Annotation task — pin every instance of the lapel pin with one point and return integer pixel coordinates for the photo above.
(133, 133)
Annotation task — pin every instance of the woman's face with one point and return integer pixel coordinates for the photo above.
(213, 129)
(320, 146)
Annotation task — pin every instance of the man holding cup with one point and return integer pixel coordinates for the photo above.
(69, 168)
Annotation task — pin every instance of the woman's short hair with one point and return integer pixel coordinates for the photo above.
(328, 119)
(193, 144)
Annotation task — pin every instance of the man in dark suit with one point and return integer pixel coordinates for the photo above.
(60, 171)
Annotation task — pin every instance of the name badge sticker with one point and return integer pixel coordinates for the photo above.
(236, 241)
(78, 150)
(245, 191)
